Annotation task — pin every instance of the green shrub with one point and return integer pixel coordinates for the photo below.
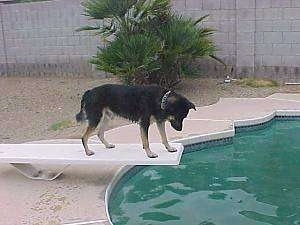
(145, 42)
(61, 125)
(133, 58)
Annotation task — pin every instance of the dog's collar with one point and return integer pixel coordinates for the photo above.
(164, 99)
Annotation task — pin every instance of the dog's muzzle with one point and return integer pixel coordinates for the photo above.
(176, 125)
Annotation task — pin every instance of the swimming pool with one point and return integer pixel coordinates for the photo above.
(255, 180)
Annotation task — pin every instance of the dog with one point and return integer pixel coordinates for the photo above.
(140, 104)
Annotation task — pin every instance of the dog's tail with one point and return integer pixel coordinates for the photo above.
(81, 116)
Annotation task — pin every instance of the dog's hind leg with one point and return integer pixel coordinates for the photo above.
(85, 137)
(162, 131)
(102, 127)
(144, 127)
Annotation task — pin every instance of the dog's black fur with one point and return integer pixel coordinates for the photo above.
(137, 103)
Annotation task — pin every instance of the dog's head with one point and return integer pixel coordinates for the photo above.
(176, 108)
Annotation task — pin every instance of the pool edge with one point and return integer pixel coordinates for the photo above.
(230, 133)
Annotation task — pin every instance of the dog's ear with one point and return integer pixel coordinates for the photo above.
(192, 106)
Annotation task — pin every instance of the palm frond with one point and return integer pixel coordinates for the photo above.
(218, 60)
(100, 9)
(201, 19)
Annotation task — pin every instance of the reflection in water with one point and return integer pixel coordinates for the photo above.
(254, 181)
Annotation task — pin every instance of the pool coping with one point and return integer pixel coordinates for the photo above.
(196, 140)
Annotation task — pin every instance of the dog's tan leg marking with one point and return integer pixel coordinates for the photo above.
(145, 141)
(85, 138)
(162, 131)
(102, 127)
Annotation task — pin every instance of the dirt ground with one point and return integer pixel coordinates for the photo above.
(30, 107)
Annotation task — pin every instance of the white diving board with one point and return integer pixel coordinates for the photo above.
(22, 156)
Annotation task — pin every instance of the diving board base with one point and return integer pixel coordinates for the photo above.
(32, 172)
(24, 156)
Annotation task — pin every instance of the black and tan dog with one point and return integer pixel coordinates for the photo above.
(142, 104)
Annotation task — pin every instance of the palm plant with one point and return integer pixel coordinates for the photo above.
(183, 43)
(129, 16)
(133, 58)
(145, 41)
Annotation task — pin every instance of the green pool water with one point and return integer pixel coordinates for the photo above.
(254, 181)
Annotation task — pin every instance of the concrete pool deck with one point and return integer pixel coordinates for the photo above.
(77, 197)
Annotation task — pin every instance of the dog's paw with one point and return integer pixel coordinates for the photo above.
(89, 153)
(171, 149)
(110, 146)
(152, 155)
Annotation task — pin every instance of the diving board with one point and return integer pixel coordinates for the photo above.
(22, 156)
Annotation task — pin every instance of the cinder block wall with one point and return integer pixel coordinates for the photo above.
(222, 17)
(41, 40)
(277, 42)
(255, 37)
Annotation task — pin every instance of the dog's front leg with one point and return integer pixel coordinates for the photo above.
(162, 131)
(144, 127)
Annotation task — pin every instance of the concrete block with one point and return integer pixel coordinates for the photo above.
(229, 15)
(245, 4)
(246, 14)
(80, 50)
(264, 25)
(291, 13)
(245, 37)
(295, 3)
(227, 49)
(9, 43)
(220, 37)
(60, 41)
(291, 60)
(281, 3)
(232, 37)
(52, 41)
(271, 60)
(53, 59)
(259, 14)
(291, 37)
(208, 4)
(2, 61)
(295, 49)
(192, 4)
(227, 26)
(272, 37)
(221, 15)
(64, 59)
(245, 49)
(258, 61)
(259, 37)
(273, 13)
(30, 58)
(282, 49)
(227, 4)
(282, 25)
(263, 4)
(246, 26)
(245, 61)
(296, 25)
(264, 49)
